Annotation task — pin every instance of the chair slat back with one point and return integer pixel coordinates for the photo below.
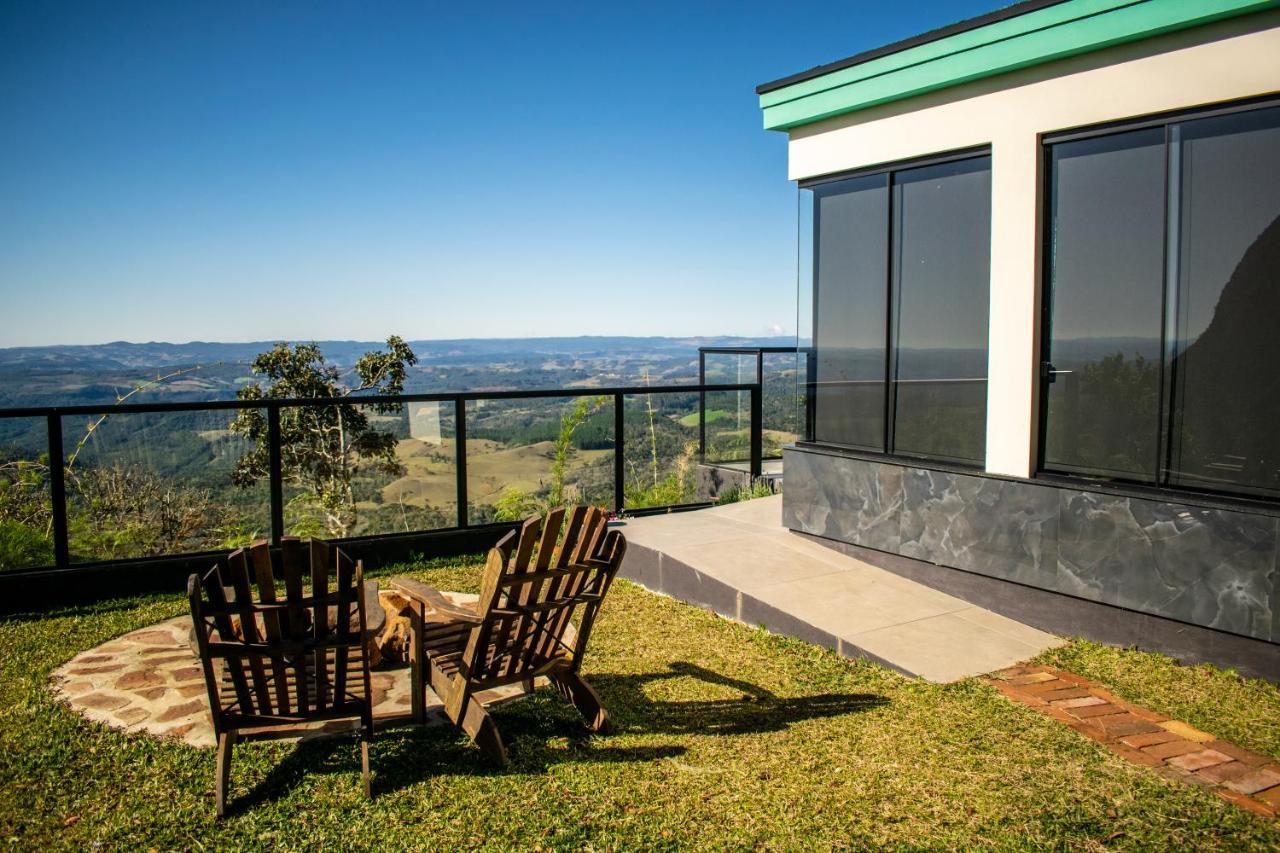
(556, 567)
(284, 658)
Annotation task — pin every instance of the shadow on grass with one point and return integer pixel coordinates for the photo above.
(758, 710)
(542, 730)
(403, 757)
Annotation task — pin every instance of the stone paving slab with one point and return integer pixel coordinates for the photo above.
(1172, 748)
(741, 562)
(151, 681)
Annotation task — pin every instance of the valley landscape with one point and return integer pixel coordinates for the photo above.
(141, 484)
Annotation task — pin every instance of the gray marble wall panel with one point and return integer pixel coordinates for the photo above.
(1209, 567)
(850, 500)
(1275, 591)
(999, 528)
(1212, 567)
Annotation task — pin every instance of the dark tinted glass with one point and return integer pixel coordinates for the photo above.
(850, 223)
(1106, 267)
(942, 266)
(1224, 340)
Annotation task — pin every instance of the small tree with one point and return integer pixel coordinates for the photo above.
(323, 447)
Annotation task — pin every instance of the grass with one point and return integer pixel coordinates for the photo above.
(728, 737)
(430, 478)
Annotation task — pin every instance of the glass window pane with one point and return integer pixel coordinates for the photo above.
(1225, 173)
(942, 277)
(1105, 265)
(850, 281)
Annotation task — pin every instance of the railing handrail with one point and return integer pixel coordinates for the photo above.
(752, 350)
(363, 400)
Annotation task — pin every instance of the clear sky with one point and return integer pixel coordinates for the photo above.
(227, 171)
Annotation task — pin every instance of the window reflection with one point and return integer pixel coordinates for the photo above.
(1163, 289)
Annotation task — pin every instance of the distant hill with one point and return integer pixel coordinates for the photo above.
(68, 374)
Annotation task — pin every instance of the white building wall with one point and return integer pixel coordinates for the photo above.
(1204, 66)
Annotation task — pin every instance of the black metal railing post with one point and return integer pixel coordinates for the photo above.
(460, 457)
(702, 405)
(275, 473)
(58, 492)
(619, 426)
(757, 429)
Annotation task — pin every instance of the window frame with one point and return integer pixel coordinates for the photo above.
(1160, 488)
(888, 454)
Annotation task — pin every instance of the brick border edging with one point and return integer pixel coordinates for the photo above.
(1173, 749)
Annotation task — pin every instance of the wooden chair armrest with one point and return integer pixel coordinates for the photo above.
(439, 608)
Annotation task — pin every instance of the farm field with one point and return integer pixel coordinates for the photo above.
(492, 468)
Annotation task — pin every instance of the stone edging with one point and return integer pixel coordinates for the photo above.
(1173, 749)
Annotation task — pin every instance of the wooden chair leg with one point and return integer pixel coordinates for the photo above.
(574, 688)
(477, 723)
(364, 764)
(417, 677)
(222, 777)
(463, 709)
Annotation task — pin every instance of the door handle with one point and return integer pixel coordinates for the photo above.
(1048, 371)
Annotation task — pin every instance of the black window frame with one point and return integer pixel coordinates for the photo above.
(889, 454)
(1160, 489)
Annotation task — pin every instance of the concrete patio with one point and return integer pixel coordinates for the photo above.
(742, 563)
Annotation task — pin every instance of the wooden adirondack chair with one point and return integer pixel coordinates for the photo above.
(271, 662)
(556, 569)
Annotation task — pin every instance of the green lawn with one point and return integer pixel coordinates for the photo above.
(728, 737)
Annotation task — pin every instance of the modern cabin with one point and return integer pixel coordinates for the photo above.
(1040, 299)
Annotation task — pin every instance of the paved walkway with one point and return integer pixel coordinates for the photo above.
(1171, 748)
(739, 561)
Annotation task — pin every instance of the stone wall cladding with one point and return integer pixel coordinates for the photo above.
(1217, 568)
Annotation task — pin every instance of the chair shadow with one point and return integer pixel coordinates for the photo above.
(542, 730)
(758, 710)
(404, 756)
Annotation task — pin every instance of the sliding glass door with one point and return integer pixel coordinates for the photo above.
(1163, 293)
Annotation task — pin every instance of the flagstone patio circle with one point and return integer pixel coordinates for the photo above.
(150, 680)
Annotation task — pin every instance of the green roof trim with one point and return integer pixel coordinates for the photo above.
(1054, 32)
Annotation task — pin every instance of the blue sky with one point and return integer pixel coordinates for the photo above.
(223, 171)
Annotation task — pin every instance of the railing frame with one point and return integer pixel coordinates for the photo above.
(53, 416)
(757, 402)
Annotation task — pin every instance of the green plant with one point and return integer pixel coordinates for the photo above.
(323, 447)
(128, 511)
(757, 488)
(23, 546)
(676, 488)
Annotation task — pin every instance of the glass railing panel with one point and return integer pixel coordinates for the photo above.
(729, 368)
(26, 526)
(151, 484)
(661, 449)
(408, 479)
(526, 456)
(357, 470)
(728, 427)
(783, 403)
